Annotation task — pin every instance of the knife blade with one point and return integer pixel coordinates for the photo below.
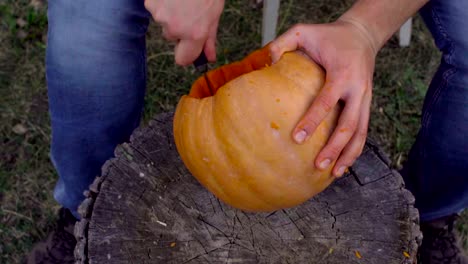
(201, 64)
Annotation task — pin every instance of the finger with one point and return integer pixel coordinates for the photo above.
(288, 41)
(210, 49)
(347, 125)
(186, 51)
(354, 148)
(319, 109)
(210, 45)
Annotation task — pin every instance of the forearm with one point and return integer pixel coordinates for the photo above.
(381, 18)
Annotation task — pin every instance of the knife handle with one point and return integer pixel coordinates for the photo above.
(201, 63)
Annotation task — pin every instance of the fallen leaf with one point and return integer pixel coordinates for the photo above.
(19, 129)
(37, 4)
(21, 22)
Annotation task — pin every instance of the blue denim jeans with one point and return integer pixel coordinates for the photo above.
(437, 168)
(96, 73)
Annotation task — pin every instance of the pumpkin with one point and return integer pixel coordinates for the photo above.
(235, 135)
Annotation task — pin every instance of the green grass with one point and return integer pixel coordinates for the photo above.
(26, 174)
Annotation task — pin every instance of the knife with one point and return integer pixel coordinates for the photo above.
(201, 64)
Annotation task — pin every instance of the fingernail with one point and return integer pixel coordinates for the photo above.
(300, 136)
(340, 171)
(324, 164)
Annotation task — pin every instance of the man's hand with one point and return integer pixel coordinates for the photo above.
(193, 24)
(347, 52)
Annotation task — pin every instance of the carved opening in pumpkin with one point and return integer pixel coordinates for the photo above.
(220, 76)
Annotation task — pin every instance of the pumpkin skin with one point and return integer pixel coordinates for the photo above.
(237, 139)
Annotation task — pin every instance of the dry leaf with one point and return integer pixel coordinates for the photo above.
(19, 129)
(21, 22)
(37, 4)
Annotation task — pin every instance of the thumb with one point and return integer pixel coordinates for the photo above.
(289, 41)
(186, 51)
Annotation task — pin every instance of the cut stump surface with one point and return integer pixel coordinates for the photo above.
(147, 208)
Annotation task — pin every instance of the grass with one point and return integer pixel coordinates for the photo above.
(27, 208)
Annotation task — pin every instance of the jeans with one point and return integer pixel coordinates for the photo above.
(437, 168)
(96, 74)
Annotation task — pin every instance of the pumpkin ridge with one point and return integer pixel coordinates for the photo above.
(314, 68)
(226, 160)
(265, 196)
(190, 142)
(232, 157)
(284, 146)
(240, 134)
(205, 119)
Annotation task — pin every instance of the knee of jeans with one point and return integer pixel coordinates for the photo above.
(447, 23)
(120, 24)
(88, 41)
(95, 61)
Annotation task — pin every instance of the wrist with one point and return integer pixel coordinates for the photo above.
(380, 19)
(369, 38)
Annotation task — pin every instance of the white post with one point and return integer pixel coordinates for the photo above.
(270, 20)
(405, 33)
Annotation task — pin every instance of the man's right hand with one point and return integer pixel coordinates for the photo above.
(192, 24)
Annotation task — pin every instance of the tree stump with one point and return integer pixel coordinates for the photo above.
(147, 208)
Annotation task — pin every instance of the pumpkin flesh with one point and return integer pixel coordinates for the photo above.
(236, 140)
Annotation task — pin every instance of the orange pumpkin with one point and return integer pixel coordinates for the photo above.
(236, 137)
